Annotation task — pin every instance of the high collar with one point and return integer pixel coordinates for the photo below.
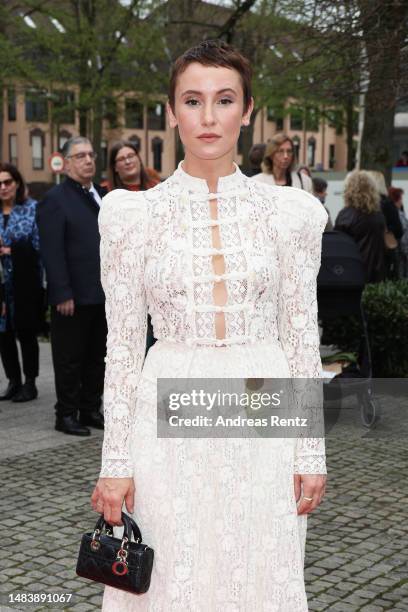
(195, 184)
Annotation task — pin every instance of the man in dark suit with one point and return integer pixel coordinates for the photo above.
(69, 244)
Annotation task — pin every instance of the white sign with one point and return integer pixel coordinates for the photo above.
(56, 163)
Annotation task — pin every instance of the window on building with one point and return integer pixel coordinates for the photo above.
(157, 148)
(36, 106)
(37, 149)
(312, 120)
(335, 119)
(311, 151)
(270, 113)
(332, 156)
(133, 114)
(296, 119)
(13, 149)
(136, 141)
(156, 116)
(63, 136)
(64, 107)
(275, 114)
(11, 104)
(110, 112)
(296, 145)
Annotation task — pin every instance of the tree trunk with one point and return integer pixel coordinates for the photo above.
(384, 34)
(83, 122)
(247, 139)
(350, 134)
(97, 139)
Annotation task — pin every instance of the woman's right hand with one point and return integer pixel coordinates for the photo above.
(108, 495)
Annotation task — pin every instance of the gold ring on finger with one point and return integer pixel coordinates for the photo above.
(309, 499)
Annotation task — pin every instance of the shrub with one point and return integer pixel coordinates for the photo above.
(386, 308)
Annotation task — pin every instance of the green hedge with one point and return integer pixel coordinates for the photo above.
(386, 308)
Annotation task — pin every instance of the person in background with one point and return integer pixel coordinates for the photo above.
(320, 192)
(255, 156)
(393, 226)
(278, 165)
(363, 220)
(126, 169)
(22, 316)
(69, 241)
(396, 196)
(403, 160)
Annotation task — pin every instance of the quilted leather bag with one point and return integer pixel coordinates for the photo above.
(119, 563)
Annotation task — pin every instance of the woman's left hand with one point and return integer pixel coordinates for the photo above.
(5, 250)
(309, 491)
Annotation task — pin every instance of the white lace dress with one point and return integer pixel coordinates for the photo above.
(220, 514)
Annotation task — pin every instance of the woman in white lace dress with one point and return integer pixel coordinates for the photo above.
(227, 269)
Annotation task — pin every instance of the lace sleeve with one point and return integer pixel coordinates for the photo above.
(300, 253)
(122, 225)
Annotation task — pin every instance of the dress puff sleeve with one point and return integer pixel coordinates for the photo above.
(303, 221)
(123, 226)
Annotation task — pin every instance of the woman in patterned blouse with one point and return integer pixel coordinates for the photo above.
(22, 303)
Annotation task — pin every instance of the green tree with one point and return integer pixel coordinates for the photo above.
(99, 48)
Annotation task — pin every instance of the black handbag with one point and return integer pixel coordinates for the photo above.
(122, 564)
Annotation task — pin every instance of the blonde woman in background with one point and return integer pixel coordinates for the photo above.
(279, 163)
(363, 220)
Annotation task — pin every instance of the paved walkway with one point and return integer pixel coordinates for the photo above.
(357, 552)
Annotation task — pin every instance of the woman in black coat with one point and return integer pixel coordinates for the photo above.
(363, 220)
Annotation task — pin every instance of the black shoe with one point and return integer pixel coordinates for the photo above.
(14, 387)
(93, 419)
(27, 392)
(69, 425)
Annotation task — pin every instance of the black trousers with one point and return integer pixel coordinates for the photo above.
(78, 353)
(29, 352)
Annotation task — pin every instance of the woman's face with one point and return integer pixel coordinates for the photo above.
(127, 165)
(283, 157)
(209, 111)
(8, 187)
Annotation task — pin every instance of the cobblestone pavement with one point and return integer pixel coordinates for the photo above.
(356, 557)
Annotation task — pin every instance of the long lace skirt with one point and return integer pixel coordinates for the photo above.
(220, 514)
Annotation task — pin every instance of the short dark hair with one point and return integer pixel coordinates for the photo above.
(213, 53)
(256, 154)
(21, 186)
(319, 185)
(114, 177)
